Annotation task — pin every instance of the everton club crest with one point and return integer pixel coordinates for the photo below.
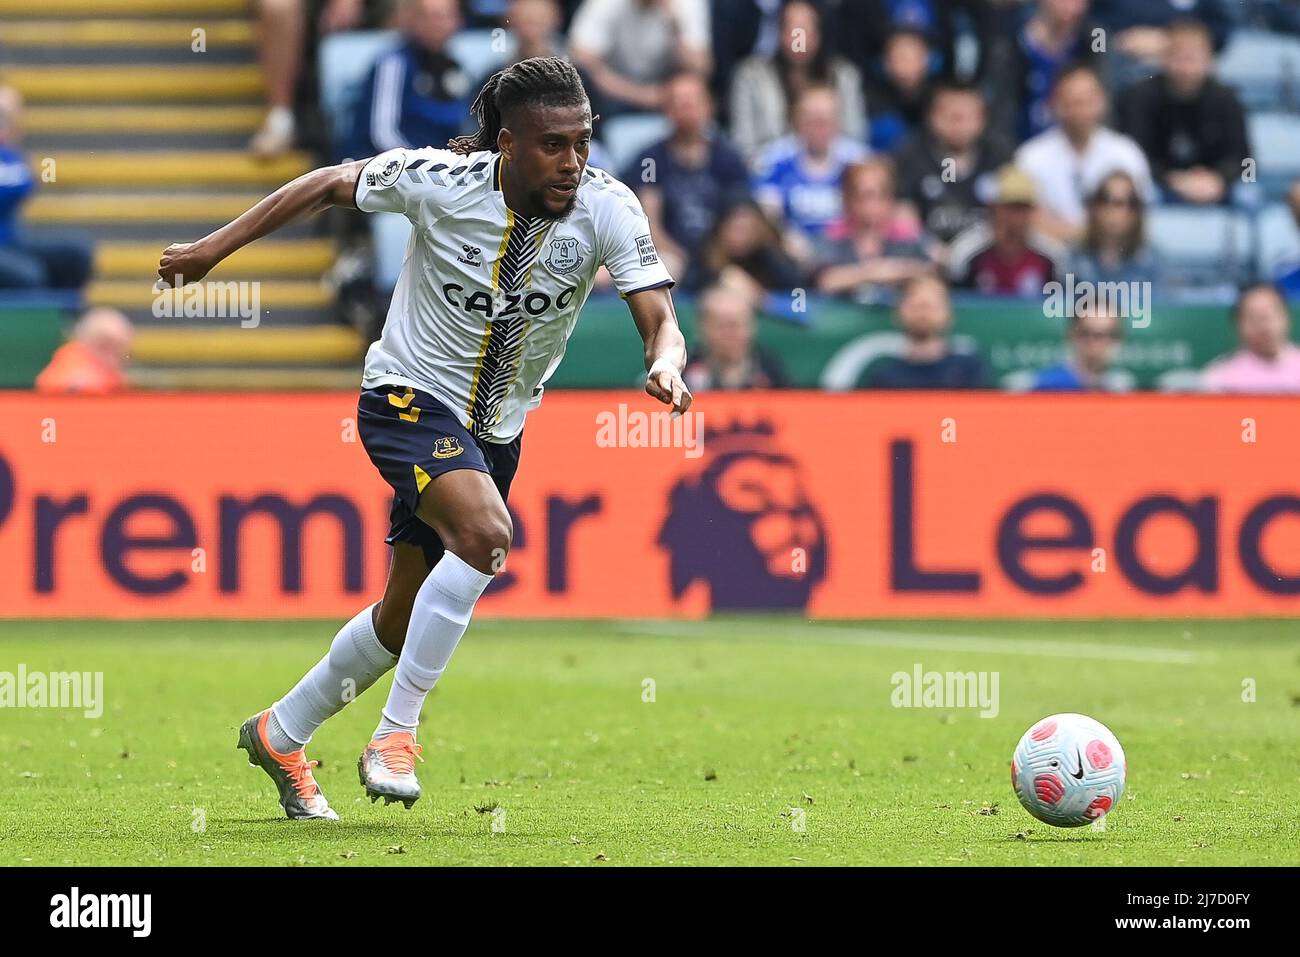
(564, 257)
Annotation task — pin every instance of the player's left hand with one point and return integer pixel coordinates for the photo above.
(664, 383)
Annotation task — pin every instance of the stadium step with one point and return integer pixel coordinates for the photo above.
(179, 378)
(197, 168)
(268, 257)
(311, 345)
(113, 207)
(130, 120)
(273, 294)
(123, 8)
(138, 140)
(52, 129)
(45, 84)
(100, 33)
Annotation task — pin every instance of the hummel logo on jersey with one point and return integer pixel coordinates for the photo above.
(447, 447)
(470, 255)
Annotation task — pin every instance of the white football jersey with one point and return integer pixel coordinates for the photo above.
(487, 299)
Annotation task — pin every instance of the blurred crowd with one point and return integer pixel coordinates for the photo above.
(902, 152)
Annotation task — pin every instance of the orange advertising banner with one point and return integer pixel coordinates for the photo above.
(847, 505)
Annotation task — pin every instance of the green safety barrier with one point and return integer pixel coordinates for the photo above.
(839, 340)
(31, 334)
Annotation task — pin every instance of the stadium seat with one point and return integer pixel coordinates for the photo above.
(1206, 252)
(1277, 242)
(624, 137)
(1275, 143)
(1264, 69)
(345, 62)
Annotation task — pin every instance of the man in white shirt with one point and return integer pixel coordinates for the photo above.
(1069, 161)
(629, 48)
(509, 229)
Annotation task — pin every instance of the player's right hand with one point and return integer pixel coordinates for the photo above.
(183, 263)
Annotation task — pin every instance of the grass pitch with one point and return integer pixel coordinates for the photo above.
(768, 741)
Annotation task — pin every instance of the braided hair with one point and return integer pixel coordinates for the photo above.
(532, 82)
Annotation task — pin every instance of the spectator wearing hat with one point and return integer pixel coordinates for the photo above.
(1007, 256)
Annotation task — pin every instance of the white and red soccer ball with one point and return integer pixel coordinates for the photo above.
(1068, 770)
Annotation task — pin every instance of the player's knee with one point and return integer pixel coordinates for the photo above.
(484, 540)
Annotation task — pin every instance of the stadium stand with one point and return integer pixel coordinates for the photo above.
(142, 111)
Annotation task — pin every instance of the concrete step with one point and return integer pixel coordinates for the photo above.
(176, 168)
(185, 345)
(263, 259)
(134, 120)
(35, 9)
(80, 84)
(53, 129)
(171, 378)
(139, 294)
(129, 33)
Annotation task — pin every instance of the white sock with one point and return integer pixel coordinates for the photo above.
(355, 661)
(441, 612)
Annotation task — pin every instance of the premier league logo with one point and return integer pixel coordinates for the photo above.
(564, 256)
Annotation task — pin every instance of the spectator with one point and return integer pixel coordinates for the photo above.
(1093, 339)
(924, 315)
(696, 175)
(1007, 256)
(534, 27)
(865, 26)
(1138, 27)
(1068, 161)
(1114, 244)
(727, 356)
(798, 178)
(870, 247)
(948, 171)
(1289, 273)
(26, 262)
(745, 253)
(1057, 34)
(416, 94)
(93, 360)
(740, 29)
(281, 40)
(628, 48)
(896, 101)
(1191, 127)
(1267, 360)
(766, 91)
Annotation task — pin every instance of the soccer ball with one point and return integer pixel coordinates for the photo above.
(1068, 770)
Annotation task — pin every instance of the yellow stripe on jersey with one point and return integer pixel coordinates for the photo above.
(478, 368)
(501, 250)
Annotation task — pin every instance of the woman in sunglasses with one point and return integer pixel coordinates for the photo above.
(1114, 243)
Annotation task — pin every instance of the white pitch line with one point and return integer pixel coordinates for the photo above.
(841, 635)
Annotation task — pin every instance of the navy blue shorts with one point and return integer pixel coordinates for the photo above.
(412, 438)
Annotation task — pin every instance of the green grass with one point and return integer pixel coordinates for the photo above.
(751, 719)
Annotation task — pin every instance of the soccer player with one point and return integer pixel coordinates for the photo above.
(510, 227)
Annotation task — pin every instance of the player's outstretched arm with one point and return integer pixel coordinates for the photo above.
(665, 347)
(327, 186)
